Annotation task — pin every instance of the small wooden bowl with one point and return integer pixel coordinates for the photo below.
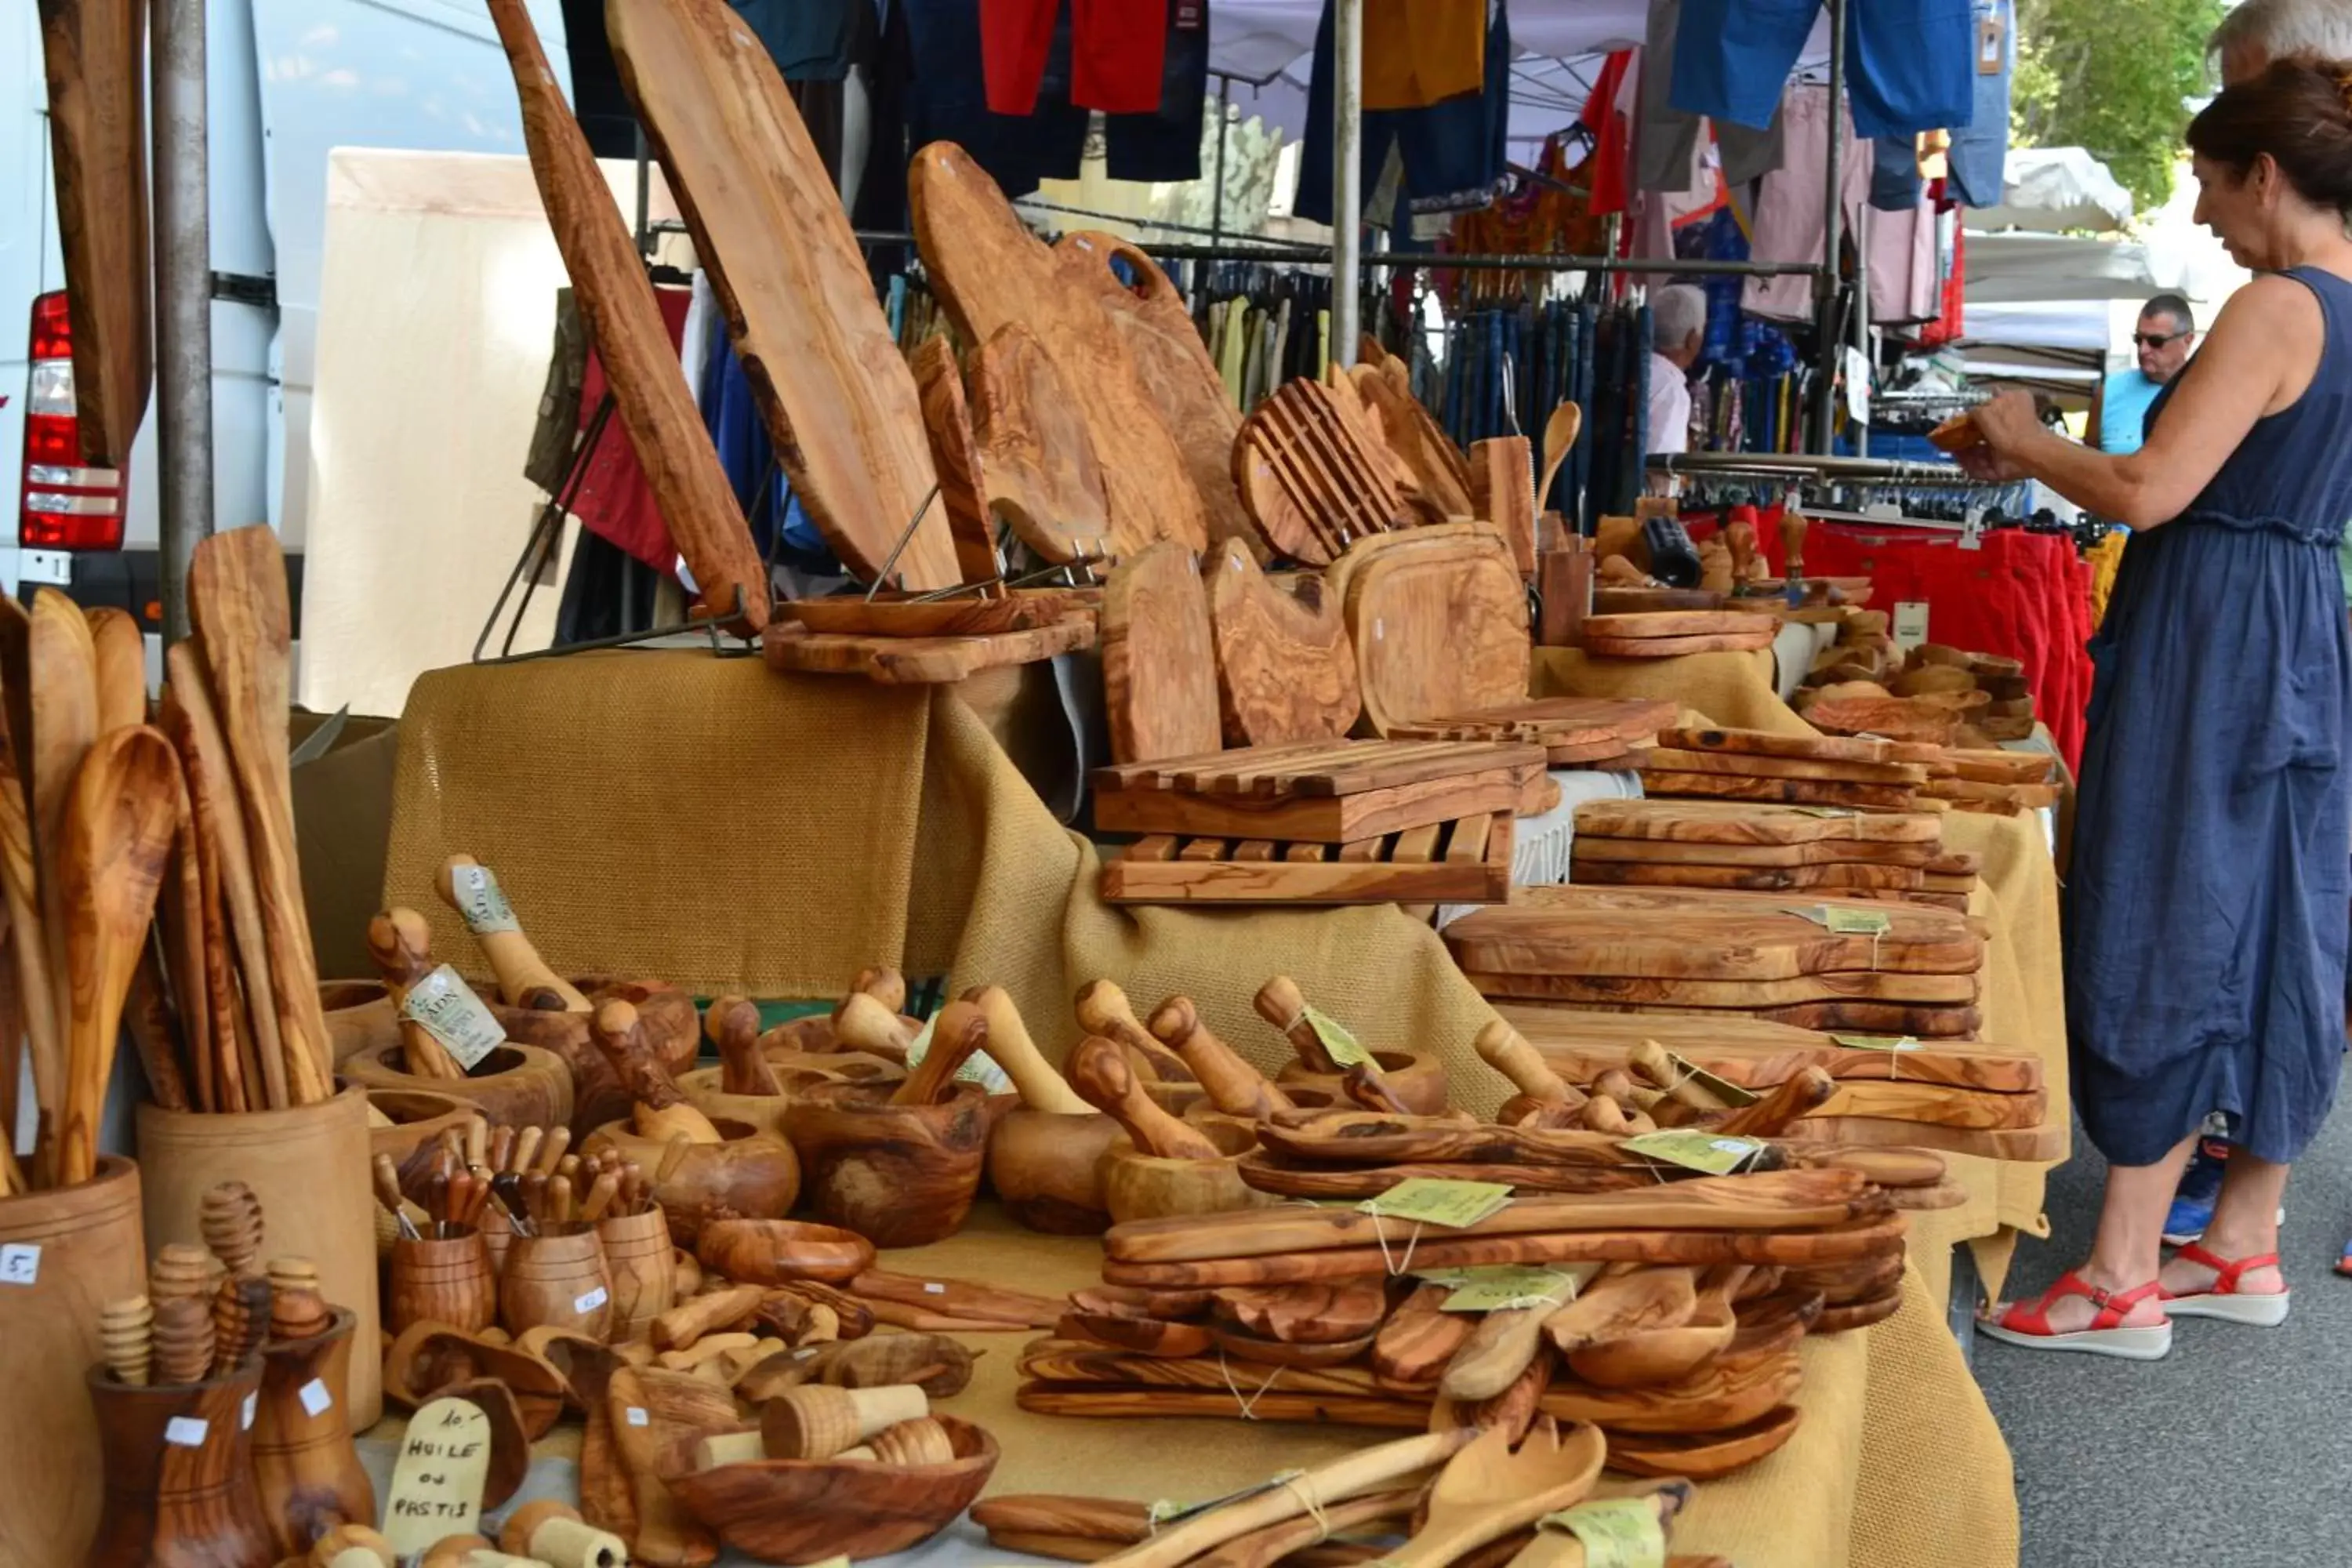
(359, 1016)
(900, 1175)
(1416, 1079)
(780, 1251)
(673, 1033)
(1047, 1168)
(749, 1175)
(418, 1116)
(515, 1086)
(805, 1510)
(1145, 1186)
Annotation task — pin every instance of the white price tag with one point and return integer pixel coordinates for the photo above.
(481, 902)
(316, 1400)
(1910, 624)
(450, 1011)
(933, 1288)
(637, 1416)
(246, 1415)
(186, 1431)
(591, 1301)
(20, 1263)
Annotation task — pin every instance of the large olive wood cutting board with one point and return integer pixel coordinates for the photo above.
(665, 428)
(1670, 759)
(988, 268)
(1842, 985)
(96, 59)
(963, 484)
(833, 388)
(1845, 877)
(1712, 822)
(2035, 1144)
(1038, 461)
(1286, 670)
(1159, 662)
(1762, 743)
(1666, 781)
(1686, 938)
(1580, 1045)
(1925, 1020)
(1754, 857)
(1439, 629)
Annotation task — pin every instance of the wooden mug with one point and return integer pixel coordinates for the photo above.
(643, 1264)
(557, 1279)
(443, 1276)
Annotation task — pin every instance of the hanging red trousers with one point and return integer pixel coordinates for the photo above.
(1118, 50)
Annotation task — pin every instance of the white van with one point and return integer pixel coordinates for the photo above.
(287, 80)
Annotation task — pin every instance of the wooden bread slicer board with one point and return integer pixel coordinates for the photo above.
(1503, 491)
(1160, 661)
(1670, 759)
(835, 391)
(1666, 782)
(1580, 1045)
(955, 456)
(1286, 670)
(2037, 1144)
(1338, 794)
(95, 52)
(1040, 462)
(1466, 861)
(1845, 1017)
(1681, 624)
(1685, 939)
(1836, 986)
(896, 615)
(1437, 464)
(1754, 878)
(1438, 631)
(988, 268)
(1172, 363)
(1594, 847)
(665, 428)
(918, 661)
(1306, 478)
(1674, 647)
(1762, 743)
(1709, 822)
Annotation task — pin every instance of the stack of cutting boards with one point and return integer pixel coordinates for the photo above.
(1785, 958)
(1958, 1097)
(1826, 851)
(2002, 782)
(1863, 773)
(1601, 733)
(1664, 633)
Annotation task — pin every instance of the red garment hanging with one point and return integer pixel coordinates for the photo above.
(1612, 139)
(614, 500)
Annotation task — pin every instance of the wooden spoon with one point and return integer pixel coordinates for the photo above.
(1489, 1489)
(1102, 1009)
(1497, 1350)
(1623, 1303)
(1234, 1086)
(1099, 1071)
(116, 835)
(1666, 1356)
(121, 665)
(1010, 1047)
(1558, 440)
(64, 666)
(524, 978)
(960, 1029)
(733, 1024)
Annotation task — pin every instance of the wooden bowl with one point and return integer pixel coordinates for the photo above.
(901, 1176)
(764, 1111)
(1417, 1080)
(418, 1116)
(778, 1251)
(1047, 1168)
(805, 1511)
(1145, 1186)
(359, 1016)
(673, 1032)
(749, 1175)
(515, 1086)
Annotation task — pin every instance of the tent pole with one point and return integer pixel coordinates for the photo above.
(1825, 288)
(1347, 175)
(183, 300)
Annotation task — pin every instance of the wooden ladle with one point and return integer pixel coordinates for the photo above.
(1667, 1354)
(1489, 1489)
(117, 833)
(1099, 1071)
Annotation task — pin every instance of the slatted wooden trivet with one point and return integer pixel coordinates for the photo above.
(1325, 791)
(1575, 732)
(1307, 480)
(1465, 861)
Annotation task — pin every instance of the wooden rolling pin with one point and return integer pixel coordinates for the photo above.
(524, 979)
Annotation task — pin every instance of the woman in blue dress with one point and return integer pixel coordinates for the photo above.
(2206, 907)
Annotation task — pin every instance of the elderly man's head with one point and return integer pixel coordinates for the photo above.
(2166, 334)
(2260, 31)
(1678, 324)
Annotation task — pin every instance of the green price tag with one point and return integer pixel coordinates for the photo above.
(1843, 921)
(839, 1561)
(1618, 1533)
(1431, 1201)
(450, 1011)
(1502, 1287)
(1731, 1094)
(1877, 1042)
(1342, 1046)
(1694, 1149)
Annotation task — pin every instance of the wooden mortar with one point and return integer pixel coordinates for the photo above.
(557, 1279)
(191, 1503)
(418, 1116)
(673, 1032)
(514, 1086)
(1418, 1081)
(1147, 1186)
(763, 1111)
(640, 1259)
(1047, 1167)
(304, 1461)
(443, 1276)
(359, 1016)
(901, 1176)
(748, 1174)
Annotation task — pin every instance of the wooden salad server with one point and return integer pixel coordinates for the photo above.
(121, 654)
(64, 672)
(524, 978)
(1099, 1070)
(1489, 1489)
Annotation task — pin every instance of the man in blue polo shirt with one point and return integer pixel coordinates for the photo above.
(2166, 336)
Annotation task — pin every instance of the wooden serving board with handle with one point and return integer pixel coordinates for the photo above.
(1466, 861)
(835, 391)
(1440, 471)
(896, 615)
(1596, 848)
(1666, 782)
(1998, 766)
(1438, 630)
(1686, 939)
(1663, 624)
(1503, 491)
(1838, 878)
(665, 428)
(1286, 670)
(1307, 479)
(1762, 743)
(1320, 768)
(1709, 823)
(918, 661)
(1160, 667)
(1040, 461)
(1900, 1099)
(1671, 647)
(955, 456)
(2046, 1142)
(1580, 1044)
(1845, 1017)
(988, 269)
(1884, 986)
(1671, 759)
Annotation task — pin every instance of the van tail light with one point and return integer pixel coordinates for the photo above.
(65, 506)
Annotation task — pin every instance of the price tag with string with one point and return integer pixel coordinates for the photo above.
(1841, 920)
(1723, 1089)
(1503, 1287)
(1337, 1043)
(1167, 1511)
(1617, 1533)
(1426, 1200)
(1696, 1149)
(447, 1009)
(1877, 1042)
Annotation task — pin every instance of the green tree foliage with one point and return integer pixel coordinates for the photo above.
(2114, 76)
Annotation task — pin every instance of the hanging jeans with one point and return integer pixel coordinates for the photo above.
(1116, 52)
(949, 101)
(1165, 144)
(1979, 153)
(1789, 217)
(1910, 63)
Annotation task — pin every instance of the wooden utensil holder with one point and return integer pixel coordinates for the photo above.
(418, 1116)
(497, 1236)
(92, 1252)
(748, 1174)
(900, 1175)
(442, 1278)
(359, 1016)
(1146, 1186)
(1416, 1079)
(557, 1279)
(308, 1166)
(177, 1466)
(304, 1462)
(673, 1032)
(643, 1262)
(1047, 1168)
(514, 1086)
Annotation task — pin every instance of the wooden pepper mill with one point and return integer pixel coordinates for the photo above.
(304, 1460)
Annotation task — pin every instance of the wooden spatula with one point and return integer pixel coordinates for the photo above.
(1559, 435)
(1099, 1071)
(122, 667)
(64, 670)
(1489, 1489)
(116, 835)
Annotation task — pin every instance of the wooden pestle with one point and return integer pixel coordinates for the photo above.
(1280, 1003)
(960, 1029)
(1651, 1059)
(1800, 1094)
(663, 1112)
(1363, 1084)
(679, 1327)
(524, 978)
(1099, 1071)
(817, 1420)
(863, 1023)
(1793, 527)
(885, 985)
(1102, 1010)
(401, 943)
(1010, 1047)
(1506, 1050)
(1234, 1086)
(733, 1024)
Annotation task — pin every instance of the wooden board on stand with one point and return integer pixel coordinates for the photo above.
(1040, 464)
(836, 396)
(1440, 627)
(918, 661)
(963, 483)
(1307, 479)
(1286, 670)
(1465, 861)
(1159, 663)
(649, 391)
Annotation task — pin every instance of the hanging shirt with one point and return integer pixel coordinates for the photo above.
(1670, 406)
(2122, 410)
(1420, 52)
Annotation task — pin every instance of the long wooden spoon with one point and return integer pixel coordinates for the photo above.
(1559, 435)
(64, 665)
(20, 885)
(122, 653)
(1489, 1489)
(117, 833)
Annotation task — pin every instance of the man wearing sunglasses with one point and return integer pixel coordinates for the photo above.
(2166, 335)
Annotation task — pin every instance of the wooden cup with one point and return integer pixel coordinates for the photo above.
(1047, 1168)
(443, 1276)
(640, 1258)
(1146, 1186)
(900, 1175)
(747, 1175)
(177, 1463)
(304, 1462)
(514, 1086)
(557, 1279)
(1418, 1081)
(89, 1252)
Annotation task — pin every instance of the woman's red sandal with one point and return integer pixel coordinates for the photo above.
(2029, 1325)
(2222, 1299)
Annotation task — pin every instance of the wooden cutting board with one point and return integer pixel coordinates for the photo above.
(1855, 986)
(1858, 1017)
(1039, 461)
(988, 269)
(2038, 1145)
(1286, 670)
(2002, 766)
(665, 428)
(896, 615)
(1760, 744)
(1442, 475)
(1172, 363)
(1439, 630)
(1934, 1105)
(1563, 1032)
(1682, 624)
(1159, 662)
(1757, 878)
(1307, 479)
(1503, 491)
(1671, 647)
(1663, 781)
(2028, 797)
(1580, 1046)
(1321, 768)
(1895, 717)
(1712, 822)
(918, 661)
(1465, 861)
(1670, 759)
(963, 485)
(1696, 936)
(1644, 601)
(95, 52)
(835, 391)
(1753, 856)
